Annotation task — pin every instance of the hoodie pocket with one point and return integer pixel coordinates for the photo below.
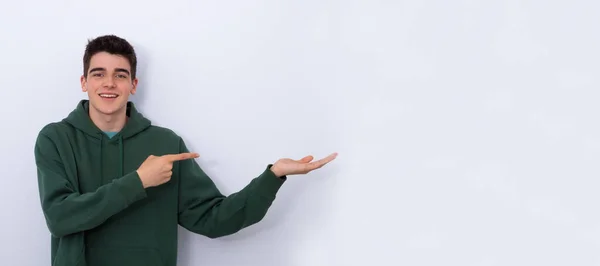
(124, 256)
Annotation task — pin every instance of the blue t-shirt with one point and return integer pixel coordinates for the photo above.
(111, 134)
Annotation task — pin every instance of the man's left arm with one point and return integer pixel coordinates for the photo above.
(204, 210)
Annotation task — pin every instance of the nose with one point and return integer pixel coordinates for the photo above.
(109, 81)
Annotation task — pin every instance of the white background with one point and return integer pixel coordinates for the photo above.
(467, 131)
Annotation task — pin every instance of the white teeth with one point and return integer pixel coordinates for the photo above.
(108, 95)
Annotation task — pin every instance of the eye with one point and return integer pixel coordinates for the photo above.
(97, 75)
(122, 76)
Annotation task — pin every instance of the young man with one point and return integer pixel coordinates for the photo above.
(114, 187)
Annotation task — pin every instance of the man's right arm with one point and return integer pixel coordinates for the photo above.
(66, 210)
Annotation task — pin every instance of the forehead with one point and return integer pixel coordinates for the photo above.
(108, 61)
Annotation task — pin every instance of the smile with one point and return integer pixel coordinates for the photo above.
(108, 95)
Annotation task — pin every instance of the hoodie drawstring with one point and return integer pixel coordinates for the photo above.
(121, 157)
(100, 159)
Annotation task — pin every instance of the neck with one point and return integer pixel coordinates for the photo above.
(109, 122)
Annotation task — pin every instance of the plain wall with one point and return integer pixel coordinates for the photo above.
(467, 131)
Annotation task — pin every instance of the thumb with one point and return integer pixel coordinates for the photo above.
(307, 159)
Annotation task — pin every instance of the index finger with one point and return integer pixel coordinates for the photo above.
(322, 162)
(181, 156)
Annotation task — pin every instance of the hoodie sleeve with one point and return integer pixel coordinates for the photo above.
(205, 211)
(65, 209)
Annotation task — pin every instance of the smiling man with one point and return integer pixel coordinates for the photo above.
(114, 187)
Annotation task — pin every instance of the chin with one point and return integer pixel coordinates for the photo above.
(108, 108)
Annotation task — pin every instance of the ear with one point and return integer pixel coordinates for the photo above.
(134, 87)
(83, 84)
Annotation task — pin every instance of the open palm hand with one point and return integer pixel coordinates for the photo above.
(287, 166)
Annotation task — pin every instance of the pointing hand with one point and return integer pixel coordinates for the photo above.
(157, 170)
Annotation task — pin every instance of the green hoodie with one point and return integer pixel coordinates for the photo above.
(98, 212)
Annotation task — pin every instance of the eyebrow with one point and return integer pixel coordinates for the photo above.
(103, 69)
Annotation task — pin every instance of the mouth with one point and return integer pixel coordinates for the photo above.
(108, 96)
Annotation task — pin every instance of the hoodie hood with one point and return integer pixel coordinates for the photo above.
(79, 118)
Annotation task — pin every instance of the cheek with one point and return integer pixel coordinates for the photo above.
(91, 86)
(125, 88)
(91, 90)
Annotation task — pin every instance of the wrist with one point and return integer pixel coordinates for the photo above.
(141, 179)
(276, 171)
